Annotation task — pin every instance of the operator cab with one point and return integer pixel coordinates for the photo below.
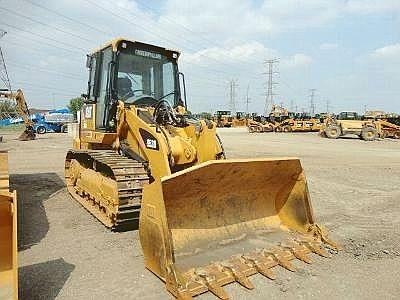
(133, 72)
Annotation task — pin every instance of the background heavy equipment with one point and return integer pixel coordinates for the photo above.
(200, 227)
(260, 124)
(387, 130)
(239, 120)
(350, 123)
(22, 110)
(8, 234)
(299, 125)
(223, 118)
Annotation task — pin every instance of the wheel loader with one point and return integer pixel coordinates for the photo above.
(8, 234)
(204, 221)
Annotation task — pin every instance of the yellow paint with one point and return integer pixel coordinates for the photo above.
(8, 235)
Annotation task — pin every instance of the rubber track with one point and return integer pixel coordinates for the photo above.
(130, 176)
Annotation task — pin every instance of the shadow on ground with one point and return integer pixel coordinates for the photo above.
(32, 191)
(43, 280)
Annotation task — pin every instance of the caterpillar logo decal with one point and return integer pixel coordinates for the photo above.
(149, 140)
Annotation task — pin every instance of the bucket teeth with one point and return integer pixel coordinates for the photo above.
(315, 247)
(183, 295)
(280, 260)
(298, 251)
(238, 275)
(212, 284)
(319, 232)
(263, 270)
(301, 256)
(331, 243)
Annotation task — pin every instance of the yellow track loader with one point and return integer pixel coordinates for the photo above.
(204, 221)
(8, 234)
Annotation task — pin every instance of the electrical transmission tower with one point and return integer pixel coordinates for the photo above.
(312, 103)
(3, 69)
(232, 95)
(269, 95)
(327, 105)
(247, 100)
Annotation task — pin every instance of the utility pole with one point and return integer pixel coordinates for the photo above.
(247, 100)
(327, 105)
(291, 105)
(232, 95)
(3, 69)
(269, 95)
(54, 100)
(312, 103)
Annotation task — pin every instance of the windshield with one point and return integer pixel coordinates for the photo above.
(142, 73)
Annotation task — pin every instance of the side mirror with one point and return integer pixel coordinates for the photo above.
(183, 84)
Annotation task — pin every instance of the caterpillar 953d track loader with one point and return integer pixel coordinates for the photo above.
(205, 221)
(8, 234)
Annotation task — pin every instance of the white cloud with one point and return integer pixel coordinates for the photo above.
(298, 60)
(372, 6)
(387, 52)
(328, 46)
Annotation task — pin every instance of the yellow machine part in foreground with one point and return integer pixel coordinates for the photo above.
(224, 220)
(8, 235)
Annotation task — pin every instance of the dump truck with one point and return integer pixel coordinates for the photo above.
(8, 234)
(350, 123)
(140, 156)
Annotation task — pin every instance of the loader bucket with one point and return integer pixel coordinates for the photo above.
(8, 235)
(222, 221)
(27, 135)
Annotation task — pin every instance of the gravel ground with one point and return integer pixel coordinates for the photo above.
(65, 253)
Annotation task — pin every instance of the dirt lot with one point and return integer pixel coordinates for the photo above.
(66, 254)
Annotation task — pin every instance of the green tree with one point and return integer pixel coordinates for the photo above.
(206, 115)
(75, 105)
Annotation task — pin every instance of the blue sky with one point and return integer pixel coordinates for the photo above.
(349, 51)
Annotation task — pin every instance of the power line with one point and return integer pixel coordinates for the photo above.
(119, 17)
(36, 50)
(43, 37)
(75, 21)
(48, 71)
(47, 25)
(50, 88)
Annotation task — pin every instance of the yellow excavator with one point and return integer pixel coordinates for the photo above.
(204, 220)
(8, 234)
(22, 110)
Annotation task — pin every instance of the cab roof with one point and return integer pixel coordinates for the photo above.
(114, 43)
